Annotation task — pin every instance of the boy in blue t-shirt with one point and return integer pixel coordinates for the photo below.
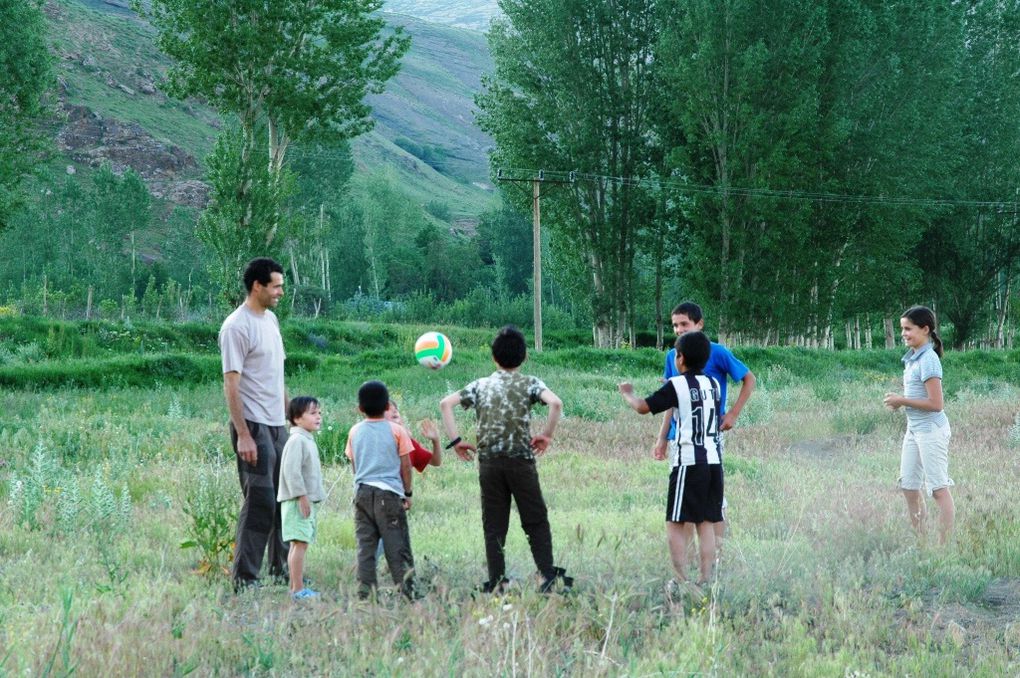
(687, 317)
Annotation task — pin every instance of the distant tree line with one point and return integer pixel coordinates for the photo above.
(805, 170)
(766, 147)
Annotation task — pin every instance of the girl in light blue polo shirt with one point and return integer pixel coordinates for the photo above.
(925, 458)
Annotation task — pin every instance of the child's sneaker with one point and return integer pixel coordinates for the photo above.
(304, 594)
(559, 575)
(678, 591)
(497, 587)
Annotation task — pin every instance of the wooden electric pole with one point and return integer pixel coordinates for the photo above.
(536, 253)
(536, 241)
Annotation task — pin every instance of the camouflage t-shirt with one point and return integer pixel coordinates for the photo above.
(502, 403)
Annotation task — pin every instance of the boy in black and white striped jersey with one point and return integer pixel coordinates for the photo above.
(694, 500)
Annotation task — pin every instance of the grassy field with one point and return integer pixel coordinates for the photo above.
(820, 576)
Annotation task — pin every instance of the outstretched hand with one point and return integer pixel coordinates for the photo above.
(626, 388)
(428, 429)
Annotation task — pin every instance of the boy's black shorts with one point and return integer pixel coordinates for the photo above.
(695, 494)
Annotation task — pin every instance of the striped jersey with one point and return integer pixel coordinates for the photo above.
(695, 399)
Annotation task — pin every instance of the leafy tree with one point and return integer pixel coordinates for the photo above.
(739, 83)
(25, 76)
(313, 245)
(504, 242)
(236, 230)
(290, 71)
(841, 98)
(969, 255)
(95, 218)
(572, 89)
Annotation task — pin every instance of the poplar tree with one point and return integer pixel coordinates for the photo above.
(25, 76)
(288, 71)
(572, 88)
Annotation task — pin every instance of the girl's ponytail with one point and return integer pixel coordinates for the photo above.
(937, 342)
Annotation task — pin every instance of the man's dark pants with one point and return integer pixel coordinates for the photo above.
(258, 524)
(379, 514)
(500, 479)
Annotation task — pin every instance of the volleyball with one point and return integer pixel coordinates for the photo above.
(433, 350)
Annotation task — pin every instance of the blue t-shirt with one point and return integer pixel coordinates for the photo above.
(721, 364)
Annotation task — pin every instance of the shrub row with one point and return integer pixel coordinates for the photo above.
(129, 370)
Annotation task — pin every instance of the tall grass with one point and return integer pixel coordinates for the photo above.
(820, 574)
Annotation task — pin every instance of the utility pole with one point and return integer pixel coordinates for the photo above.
(536, 182)
(536, 253)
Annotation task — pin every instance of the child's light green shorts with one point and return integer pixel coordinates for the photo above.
(295, 526)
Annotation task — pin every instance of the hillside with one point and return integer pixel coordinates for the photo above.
(109, 75)
(474, 14)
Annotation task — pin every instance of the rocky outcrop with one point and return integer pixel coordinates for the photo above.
(190, 192)
(89, 138)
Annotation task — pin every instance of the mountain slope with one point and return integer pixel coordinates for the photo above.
(473, 14)
(109, 73)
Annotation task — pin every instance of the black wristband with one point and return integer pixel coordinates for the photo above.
(453, 443)
(407, 493)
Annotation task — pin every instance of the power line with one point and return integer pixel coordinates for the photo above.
(560, 176)
(812, 196)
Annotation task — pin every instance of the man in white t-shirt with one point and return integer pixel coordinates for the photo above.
(252, 351)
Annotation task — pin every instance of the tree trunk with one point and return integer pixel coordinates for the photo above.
(1000, 337)
(890, 335)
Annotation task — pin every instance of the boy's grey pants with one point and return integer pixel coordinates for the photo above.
(258, 524)
(379, 514)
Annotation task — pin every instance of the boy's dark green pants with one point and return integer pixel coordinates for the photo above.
(379, 514)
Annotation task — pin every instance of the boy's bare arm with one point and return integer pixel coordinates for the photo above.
(462, 447)
(429, 430)
(405, 475)
(540, 443)
(637, 404)
(747, 385)
(659, 448)
(446, 406)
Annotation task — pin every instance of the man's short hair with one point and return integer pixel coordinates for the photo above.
(298, 406)
(689, 309)
(695, 348)
(509, 348)
(373, 398)
(260, 270)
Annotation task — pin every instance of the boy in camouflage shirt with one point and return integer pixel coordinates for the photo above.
(506, 456)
